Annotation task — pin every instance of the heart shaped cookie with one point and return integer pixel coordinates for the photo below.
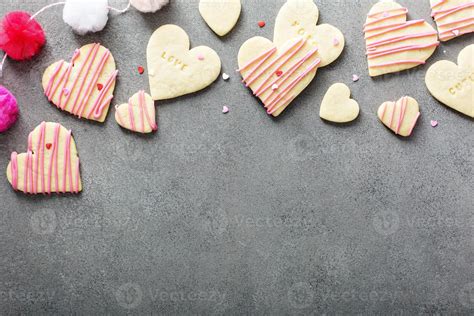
(51, 163)
(278, 72)
(299, 18)
(220, 15)
(453, 84)
(173, 69)
(395, 44)
(138, 115)
(337, 105)
(401, 116)
(453, 17)
(85, 85)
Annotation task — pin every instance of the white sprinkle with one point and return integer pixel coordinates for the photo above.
(275, 87)
(225, 76)
(225, 109)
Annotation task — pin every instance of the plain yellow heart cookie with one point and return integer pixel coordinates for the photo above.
(337, 106)
(138, 115)
(51, 163)
(395, 44)
(220, 15)
(85, 85)
(453, 84)
(173, 69)
(401, 116)
(453, 17)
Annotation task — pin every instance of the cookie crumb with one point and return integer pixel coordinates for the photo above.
(225, 109)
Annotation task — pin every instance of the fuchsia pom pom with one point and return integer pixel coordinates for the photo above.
(21, 37)
(8, 109)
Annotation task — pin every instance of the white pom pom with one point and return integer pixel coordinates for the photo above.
(148, 6)
(86, 16)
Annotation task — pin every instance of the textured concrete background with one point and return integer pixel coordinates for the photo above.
(242, 213)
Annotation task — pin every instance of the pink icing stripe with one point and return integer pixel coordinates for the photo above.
(438, 4)
(404, 25)
(399, 62)
(386, 11)
(66, 160)
(14, 170)
(264, 54)
(28, 172)
(289, 72)
(401, 117)
(392, 115)
(414, 123)
(297, 46)
(383, 18)
(98, 108)
(269, 76)
(53, 158)
(119, 117)
(131, 116)
(455, 22)
(451, 30)
(91, 56)
(93, 83)
(384, 110)
(51, 80)
(286, 101)
(374, 45)
(78, 175)
(66, 76)
(394, 50)
(143, 102)
(251, 73)
(441, 14)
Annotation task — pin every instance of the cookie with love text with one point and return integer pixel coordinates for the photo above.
(138, 115)
(175, 70)
(395, 44)
(51, 163)
(220, 15)
(401, 116)
(453, 17)
(277, 72)
(453, 85)
(84, 86)
(337, 105)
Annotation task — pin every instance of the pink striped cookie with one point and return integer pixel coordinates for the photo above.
(401, 116)
(51, 163)
(138, 115)
(453, 17)
(395, 44)
(84, 86)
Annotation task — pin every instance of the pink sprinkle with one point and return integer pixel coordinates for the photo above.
(355, 78)
(335, 41)
(225, 109)
(275, 87)
(200, 57)
(434, 123)
(66, 91)
(456, 32)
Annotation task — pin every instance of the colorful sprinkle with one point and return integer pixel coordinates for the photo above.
(262, 23)
(335, 42)
(200, 56)
(100, 86)
(434, 123)
(386, 14)
(456, 32)
(355, 78)
(66, 91)
(279, 73)
(48, 146)
(225, 109)
(225, 76)
(275, 87)
(141, 70)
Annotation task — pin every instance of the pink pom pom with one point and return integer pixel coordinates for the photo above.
(8, 109)
(20, 36)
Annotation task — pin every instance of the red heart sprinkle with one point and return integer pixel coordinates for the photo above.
(48, 146)
(141, 70)
(100, 86)
(279, 73)
(261, 23)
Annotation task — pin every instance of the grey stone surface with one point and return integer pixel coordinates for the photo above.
(242, 213)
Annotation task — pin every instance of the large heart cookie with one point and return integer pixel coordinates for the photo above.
(453, 17)
(220, 15)
(138, 115)
(278, 72)
(337, 106)
(51, 163)
(395, 44)
(173, 69)
(401, 116)
(85, 85)
(453, 84)
(299, 18)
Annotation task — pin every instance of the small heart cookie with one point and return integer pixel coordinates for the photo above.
(395, 44)
(51, 163)
(74, 86)
(277, 72)
(453, 17)
(138, 115)
(173, 69)
(401, 116)
(453, 84)
(220, 15)
(337, 106)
